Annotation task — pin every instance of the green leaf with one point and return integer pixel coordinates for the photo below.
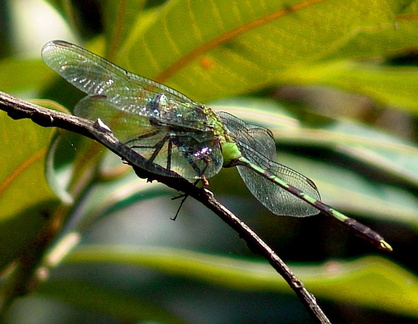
(370, 281)
(380, 150)
(99, 299)
(394, 86)
(25, 197)
(119, 17)
(381, 42)
(27, 76)
(234, 48)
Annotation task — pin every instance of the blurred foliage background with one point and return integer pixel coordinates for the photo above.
(336, 82)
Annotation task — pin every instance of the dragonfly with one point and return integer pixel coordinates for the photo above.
(188, 138)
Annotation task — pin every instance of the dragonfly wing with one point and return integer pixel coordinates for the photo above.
(125, 126)
(85, 70)
(257, 145)
(94, 75)
(250, 135)
(189, 154)
(129, 92)
(276, 199)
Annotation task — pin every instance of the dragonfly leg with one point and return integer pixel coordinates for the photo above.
(169, 153)
(150, 134)
(205, 182)
(196, 154)
(185, 195)
(157, 146)
(200, 172)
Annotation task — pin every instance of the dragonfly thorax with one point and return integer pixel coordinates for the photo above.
(167, 111)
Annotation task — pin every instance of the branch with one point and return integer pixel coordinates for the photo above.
(18, 109)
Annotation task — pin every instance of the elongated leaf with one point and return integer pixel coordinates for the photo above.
(382, 42)
(371, 281)
(236, 47)
(119, 17)
(99, 299)
(395, 86)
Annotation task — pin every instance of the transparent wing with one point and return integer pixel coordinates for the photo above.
(127, 91)
(191, 155)
(124, 125)
(94, 75)
(258, 146)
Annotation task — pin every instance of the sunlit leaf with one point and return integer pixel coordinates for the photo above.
(238, 48)
(394, 86)
(25, 197)
(119, 17)
(380, 42)
(26, 76)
